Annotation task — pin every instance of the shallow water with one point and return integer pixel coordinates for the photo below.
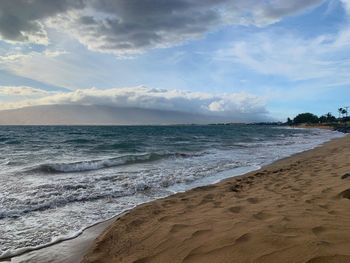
(55, 181)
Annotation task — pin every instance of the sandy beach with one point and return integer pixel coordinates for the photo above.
(294, 210)
(170, 131)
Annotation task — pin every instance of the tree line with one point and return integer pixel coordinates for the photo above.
(311, 118)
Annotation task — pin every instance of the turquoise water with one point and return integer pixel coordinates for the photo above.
(57, 180)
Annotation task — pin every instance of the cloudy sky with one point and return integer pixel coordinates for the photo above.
(272, 58)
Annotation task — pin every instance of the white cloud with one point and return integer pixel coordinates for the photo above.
(346, 4)
(54, 53)
(19, 55)
(21, 91)
(146, 98)
(12, 57)
(284, 54)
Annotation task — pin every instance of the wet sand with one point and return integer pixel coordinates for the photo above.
(68, 251)
(295, 210)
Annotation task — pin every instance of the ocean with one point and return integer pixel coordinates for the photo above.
(57, 180)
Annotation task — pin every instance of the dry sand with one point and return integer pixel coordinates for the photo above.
(295, 210)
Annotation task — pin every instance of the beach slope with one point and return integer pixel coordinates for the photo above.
(295, 210)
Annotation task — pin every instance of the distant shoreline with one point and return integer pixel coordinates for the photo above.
(344, 128)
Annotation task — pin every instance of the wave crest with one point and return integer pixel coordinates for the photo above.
(83, 166)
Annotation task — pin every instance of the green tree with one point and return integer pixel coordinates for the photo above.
(305, 118)
(323, 119)
(327, 118)
(330, 117)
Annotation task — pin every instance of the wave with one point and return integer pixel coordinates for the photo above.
(10, 253)
(83, 166)
(60, 201)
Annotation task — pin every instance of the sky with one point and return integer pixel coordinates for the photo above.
(271, 59)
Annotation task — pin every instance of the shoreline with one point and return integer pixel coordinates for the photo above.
(90, 233)
(86, 238)
(68, 250)
(340, 127)
(256, 210)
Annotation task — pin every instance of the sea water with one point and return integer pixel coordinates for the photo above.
(57, 180)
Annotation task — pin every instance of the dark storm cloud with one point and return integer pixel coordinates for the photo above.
(132, 26)
(20, 19)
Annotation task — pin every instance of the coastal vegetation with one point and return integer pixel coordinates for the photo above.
(328, 118)
(305, 118)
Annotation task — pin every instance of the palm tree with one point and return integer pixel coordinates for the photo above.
(340, 110)
(344, 112)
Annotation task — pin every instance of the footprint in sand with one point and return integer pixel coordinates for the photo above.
(235, 209)
(330, 259)
(164, 218)
(217, 204)
(253, 200)
(259, 174)
(235, 187)
(309, 201)
(244, 238)
(136, 223)
(325, 206)
(344, 176)
(261, 215)
(200, 232)
(207, 199)
(326, 190)
(177, 227)
(345, 194)
(318, 230)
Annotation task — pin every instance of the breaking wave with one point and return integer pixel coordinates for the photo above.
(90, 165)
